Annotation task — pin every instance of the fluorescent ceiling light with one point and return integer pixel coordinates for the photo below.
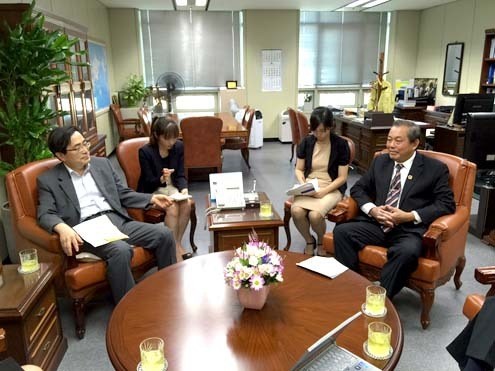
(356, 3)
(374, 3)
(201, 2)
(181, 2)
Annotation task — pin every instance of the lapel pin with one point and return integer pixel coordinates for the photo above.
(409, 177)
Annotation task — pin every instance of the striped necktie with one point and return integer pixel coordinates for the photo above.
(394, 192)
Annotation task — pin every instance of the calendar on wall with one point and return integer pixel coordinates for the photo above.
(271, 65)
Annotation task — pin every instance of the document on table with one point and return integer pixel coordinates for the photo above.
(99, 231)
(329, 267)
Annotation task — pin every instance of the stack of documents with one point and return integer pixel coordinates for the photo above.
(304, 189)
(99, 231)
(329, 267)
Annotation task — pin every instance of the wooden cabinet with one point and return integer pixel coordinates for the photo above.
(449, 140)
(487, 78)
(410, 113)
(30, 317)
(74, 97)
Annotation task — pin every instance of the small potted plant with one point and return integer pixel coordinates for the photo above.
(135, 92)
(308, 106)
(252, 269)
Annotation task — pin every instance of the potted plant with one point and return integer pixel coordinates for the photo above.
(308, 106)
(29, 54)
(135, 92)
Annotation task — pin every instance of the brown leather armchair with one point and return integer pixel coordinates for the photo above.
(81, 281)
(242, 144)
(128, 128)
(474, 302)
(444, 242)
(144, 121)
(288, 203)
(202, 148)
(302, 124)
(294, 128)
(128, 157)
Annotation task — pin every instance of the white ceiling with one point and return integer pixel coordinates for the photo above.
(327, 5)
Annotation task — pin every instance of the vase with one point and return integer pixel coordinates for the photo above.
(253, 299)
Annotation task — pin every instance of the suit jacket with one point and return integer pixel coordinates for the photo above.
(58, 201)
(151, 167)
(426, 189)
(339, 156)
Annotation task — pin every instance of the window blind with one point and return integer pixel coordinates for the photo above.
(340, 48)
(202, 47)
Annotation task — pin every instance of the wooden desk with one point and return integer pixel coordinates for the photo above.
(204, 327)
(410, 113)
(231, 228)
(230, 127)
(29, 315)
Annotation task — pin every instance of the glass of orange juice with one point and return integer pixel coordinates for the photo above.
(375, 301)
(378, 344)
(152, 355)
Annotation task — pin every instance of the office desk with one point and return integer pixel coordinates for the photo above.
(204, 327)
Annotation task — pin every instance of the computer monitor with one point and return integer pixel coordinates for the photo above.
(479, 139)
(466, 103)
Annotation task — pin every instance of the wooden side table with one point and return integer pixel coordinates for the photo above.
(30, 317)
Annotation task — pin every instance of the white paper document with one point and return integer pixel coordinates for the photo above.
(307, 188)
(329, 267)
(180, 197)
(99, 231)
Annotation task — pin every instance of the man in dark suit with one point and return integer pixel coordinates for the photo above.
(396, 217)
(81, 188)
(474, 347)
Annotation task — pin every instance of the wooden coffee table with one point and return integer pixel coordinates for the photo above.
(231, 228)
(204, 327)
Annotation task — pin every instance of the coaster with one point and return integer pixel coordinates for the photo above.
(265, 216)
(19, 269)
(363, 309)
(139, 368)
(381, 358)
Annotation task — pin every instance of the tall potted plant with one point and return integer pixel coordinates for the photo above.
(29, 56)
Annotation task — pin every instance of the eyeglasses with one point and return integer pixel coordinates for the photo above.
(80, 147)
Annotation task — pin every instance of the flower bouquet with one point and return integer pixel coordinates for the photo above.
(254, 266)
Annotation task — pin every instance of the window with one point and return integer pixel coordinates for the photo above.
(340, 48)
(202, 47)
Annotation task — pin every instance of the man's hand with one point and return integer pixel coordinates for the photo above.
(161, 201)
(69, 239)
(382, 216)
(399, 216)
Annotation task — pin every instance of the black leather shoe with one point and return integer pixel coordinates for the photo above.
(187, 255)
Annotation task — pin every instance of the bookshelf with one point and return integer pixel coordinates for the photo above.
(487, 79)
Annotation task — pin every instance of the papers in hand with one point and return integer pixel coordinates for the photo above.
(180, 197)
(99, 231)
(307, 188)
(329, 267)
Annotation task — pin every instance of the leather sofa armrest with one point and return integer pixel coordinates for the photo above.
(344, 211)
(442, 229)
(30, 229)
(486, 276)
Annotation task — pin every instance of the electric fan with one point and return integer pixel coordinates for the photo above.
(168, 86)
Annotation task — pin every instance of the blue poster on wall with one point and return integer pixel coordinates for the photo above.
(99, 74)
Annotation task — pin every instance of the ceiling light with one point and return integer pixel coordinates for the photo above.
(374, 3)
(201, 2)
(356, 3)
(181, 2)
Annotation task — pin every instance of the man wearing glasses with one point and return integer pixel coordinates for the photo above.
(82, 187)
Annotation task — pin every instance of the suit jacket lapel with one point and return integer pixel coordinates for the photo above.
(412, 177)
(66, 185)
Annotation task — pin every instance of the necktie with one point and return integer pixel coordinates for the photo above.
(394, 192)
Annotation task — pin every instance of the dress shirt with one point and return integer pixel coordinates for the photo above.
(91, 201)
(404, 171)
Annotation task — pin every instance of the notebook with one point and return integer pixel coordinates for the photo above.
(326, 355)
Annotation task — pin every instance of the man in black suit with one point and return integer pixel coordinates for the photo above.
(474, 347)
(420, 193)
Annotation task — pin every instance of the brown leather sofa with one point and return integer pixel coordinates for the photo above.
(81, 281)
(474, 302)
(444, 242)
(288, 203)
(128, 157)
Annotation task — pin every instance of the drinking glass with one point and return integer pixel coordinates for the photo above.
(29, 261)
(375, 301)
(378, 343)
(152, 356)
(265, 209)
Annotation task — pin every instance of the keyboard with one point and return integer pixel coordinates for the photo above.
(335, 358)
